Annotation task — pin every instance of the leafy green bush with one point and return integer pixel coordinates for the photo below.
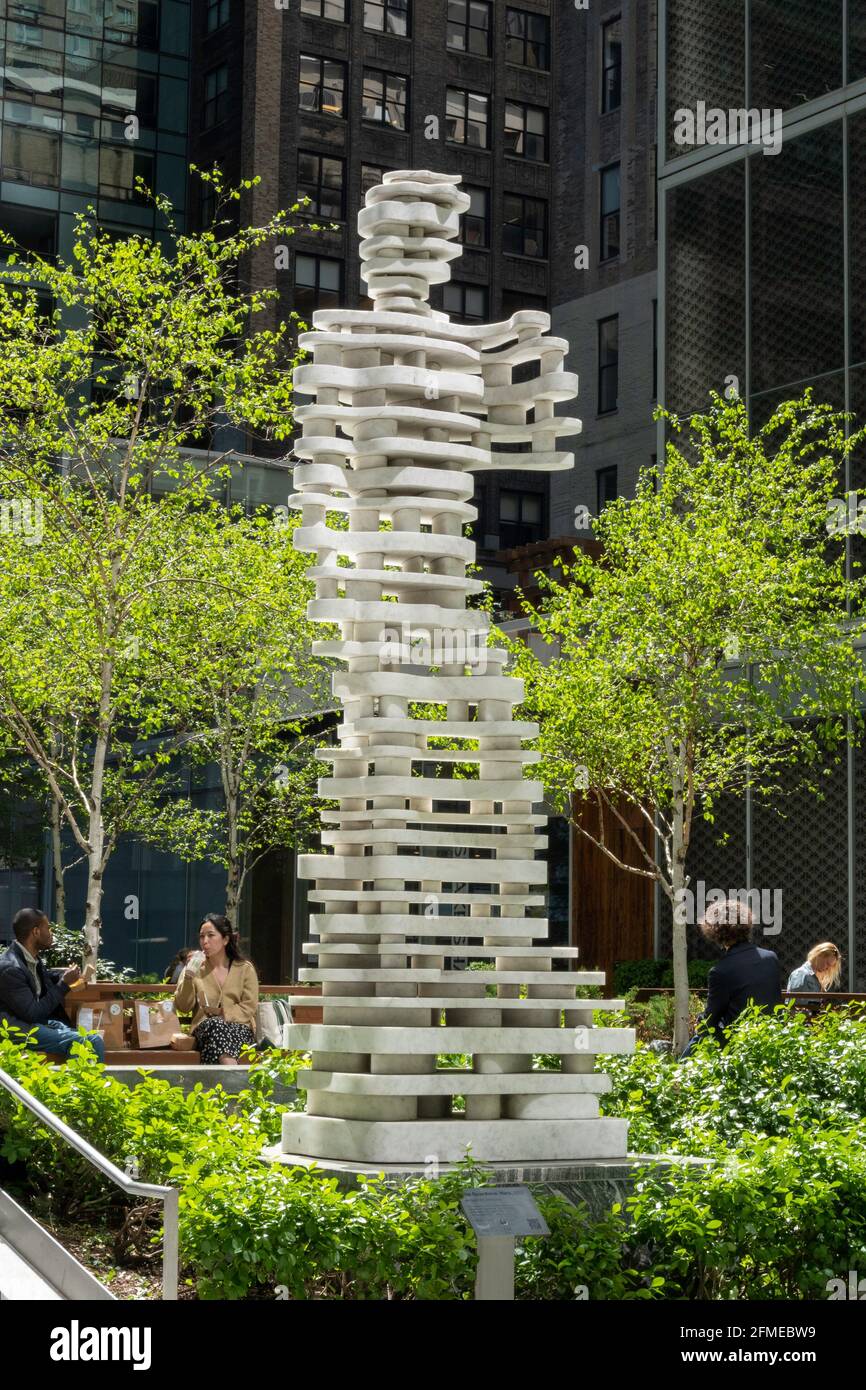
(698, 974)
(68, 949)
(653, 1020)
(656, 974)
(777, 1071)
(775, 1220)
(776, 1210)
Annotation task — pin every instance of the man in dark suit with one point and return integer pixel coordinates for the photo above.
(747, 974)
(31, 997)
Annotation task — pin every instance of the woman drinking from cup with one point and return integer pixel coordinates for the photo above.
(221, 990)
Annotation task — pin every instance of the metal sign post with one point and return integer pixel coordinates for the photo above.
(498, 1215)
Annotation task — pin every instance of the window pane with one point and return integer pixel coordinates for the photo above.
(610, 189)
(611, 87)
(31, 156)
(333, 83)
(371, 176)
(475, 301)
(308, 168)
(397, 17)
(329, 275)
(305, 270)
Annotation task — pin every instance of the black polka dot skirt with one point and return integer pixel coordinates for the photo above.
(216, 1038)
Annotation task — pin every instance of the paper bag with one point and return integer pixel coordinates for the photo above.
(155, 1023)
(105, 1018)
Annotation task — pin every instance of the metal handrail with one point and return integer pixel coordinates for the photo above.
(167, 1195)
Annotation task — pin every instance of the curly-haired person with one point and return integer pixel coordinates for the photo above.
(746, 974)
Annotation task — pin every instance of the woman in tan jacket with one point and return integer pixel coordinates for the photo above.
(221, 990)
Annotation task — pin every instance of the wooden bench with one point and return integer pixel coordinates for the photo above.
(104, 990)
(801, 1000)
(108, 989)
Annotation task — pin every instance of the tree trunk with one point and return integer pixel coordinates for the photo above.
(93, 905)
(96, 858)
(233, 876)
(679, 942)
(233, 895)
(57, 864)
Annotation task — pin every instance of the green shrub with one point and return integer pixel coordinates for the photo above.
(777, 1211)
(775, 1220)
(656, 974)
(776, 1071)
(68, 949)
(698, 974)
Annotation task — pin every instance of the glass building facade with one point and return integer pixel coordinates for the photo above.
(95, 94)
(763, 288)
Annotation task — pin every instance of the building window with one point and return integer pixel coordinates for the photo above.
(479, 526)
(475, 224)
(31, 156)
(322, 85)
(526, 131)
(32, 228)
(608, 364)
(525, 229)
(216, 96)
(207, 205)
(325, 9)
(467, 302)
(119, 170)
(521, 517)
(385, 98)
(387, 16)
(467, 118)
(655, 349)
(527, 39)
(512, 300)
(611, 65)
(469, 27)
(125, 90)
(130, 24)
(318, 284)
(371, 176)
(605, 488)
(321, 179)
(653, 155)
(216, 15)
(609, 234)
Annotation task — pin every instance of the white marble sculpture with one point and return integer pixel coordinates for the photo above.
(408, 406)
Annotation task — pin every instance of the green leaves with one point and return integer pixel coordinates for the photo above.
(776, 1210)
(729, 553)
(149, 348)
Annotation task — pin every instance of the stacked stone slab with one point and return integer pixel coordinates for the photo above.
(408, 405)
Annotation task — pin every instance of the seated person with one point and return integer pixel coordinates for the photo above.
(821, 971)
(746, 974)
(221, 989)
(174, 969)
(31, 996)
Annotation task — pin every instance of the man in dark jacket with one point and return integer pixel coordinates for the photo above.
(747, 974)
(31, 997)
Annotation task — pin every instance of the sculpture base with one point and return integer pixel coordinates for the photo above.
(447, 1141)
(596, 1182)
